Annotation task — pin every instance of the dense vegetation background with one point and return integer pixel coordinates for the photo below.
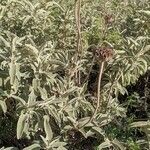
(49, 77)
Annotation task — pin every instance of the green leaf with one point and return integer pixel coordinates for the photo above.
(53, 112)
(147, 12)
(26, 20)
(3, 105)
(144, 64)
(118, 144)
(71, 119)
(32, 98)
(83, 121)
(61, 148)
(43, 93)
(44, 140)
(20, 125)
(70, 91)
(58, 144)
(99, 130)
(35, 84)
(11, 148)
(32, 49)
(105, 144)
(7, 44)
(47, 128)
(103, 119)
(57, 62)
(140, 124)
(33, 147)
(12, 72)
(14, 45)
(2, 148)
(22, 101)
(121, 89)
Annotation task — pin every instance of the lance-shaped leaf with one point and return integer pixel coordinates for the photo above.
(19, 99)
(32, 49)
(32, 97)
(21, 125)
(33, 147)
(7, 44)
(12, 72)
(105, 144)
(35, 84)
(47, 128)
(43, 93)
(118, 144)
(146, 12)
(83, 121)
(26, 20)
(140, 124)
(3, 106)
(10, 148)
(14, 45)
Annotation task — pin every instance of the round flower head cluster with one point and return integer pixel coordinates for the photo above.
(103, 53)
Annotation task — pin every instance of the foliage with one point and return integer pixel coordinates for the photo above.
(40, 58)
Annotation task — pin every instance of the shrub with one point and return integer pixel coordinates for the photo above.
(49, 75)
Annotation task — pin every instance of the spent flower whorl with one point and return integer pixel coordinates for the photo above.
(109, 19)
(103, 53)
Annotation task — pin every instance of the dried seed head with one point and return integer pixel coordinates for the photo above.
(109, 19)
(103, 53)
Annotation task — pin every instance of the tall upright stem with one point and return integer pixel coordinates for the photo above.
(99, 88)
(99, 102)
(78, 25)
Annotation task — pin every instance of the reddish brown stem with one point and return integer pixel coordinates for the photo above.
(78, 25)
(99, 102)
